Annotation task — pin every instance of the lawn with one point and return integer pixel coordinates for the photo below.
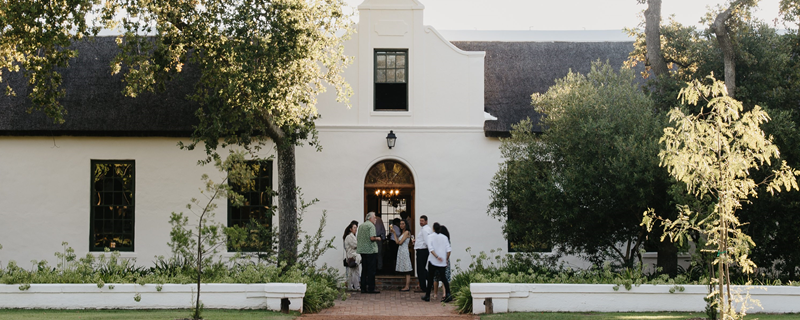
(216, 314)
(623, 316)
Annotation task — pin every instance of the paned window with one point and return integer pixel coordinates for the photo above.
(391, 80)
(112, 218)
(255, 215)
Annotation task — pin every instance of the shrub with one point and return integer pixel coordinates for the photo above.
(535, 268)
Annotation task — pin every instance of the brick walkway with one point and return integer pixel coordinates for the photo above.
(389, 305)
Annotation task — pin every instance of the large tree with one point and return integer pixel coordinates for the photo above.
(261, 64)
(767, 73)
(581, 184)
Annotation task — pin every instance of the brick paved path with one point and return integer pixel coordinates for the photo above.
(389, 305)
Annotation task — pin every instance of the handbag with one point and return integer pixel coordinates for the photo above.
(348, 262)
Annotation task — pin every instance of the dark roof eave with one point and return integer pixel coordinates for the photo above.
(95, 133)
(494, 129)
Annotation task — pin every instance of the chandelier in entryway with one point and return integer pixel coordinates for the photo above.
(387, 193)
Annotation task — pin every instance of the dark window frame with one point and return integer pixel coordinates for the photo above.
(384, 86)
(269, 216)
(95, 215)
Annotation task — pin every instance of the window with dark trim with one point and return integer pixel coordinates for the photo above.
(255, 215)
(112, 217)
(391, 80)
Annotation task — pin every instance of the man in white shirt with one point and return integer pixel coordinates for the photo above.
(439, 249)
(421, 247)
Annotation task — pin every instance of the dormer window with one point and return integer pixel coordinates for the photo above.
(391, 80)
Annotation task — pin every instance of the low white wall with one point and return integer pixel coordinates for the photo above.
(511, 297)
(172, 296)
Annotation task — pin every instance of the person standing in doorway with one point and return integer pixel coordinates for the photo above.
(367, 247)
(439, 247)
(421, 247)
(392, 246)
(380, 231)
(403, 264)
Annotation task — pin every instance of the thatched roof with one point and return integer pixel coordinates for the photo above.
(515, 70)
(96, 107)
(95, 104)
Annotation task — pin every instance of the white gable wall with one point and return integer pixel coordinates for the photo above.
(440, 138)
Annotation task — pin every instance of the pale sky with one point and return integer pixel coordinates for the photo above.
(563, 14)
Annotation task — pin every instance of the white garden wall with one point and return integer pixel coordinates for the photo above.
(510, 297)
(172, 296)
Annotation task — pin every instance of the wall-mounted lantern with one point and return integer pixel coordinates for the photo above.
(391, 139)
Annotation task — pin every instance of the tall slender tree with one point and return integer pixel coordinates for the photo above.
(712, 153)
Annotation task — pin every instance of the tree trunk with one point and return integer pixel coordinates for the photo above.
(652, 33)
(724, 40)
(196, 315)
(667, 252)
(668, 258)
(287, 204)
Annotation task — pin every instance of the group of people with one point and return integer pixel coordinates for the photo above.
(364, 249)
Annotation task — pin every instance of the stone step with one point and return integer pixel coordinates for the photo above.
(394, 282)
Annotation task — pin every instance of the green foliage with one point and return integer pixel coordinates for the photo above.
(712, 153)
(262, 63)
(581, 185)
(35, 37)
(767, 74)
(536, 268)
(254, 239)
(321, 291)
(103, 268)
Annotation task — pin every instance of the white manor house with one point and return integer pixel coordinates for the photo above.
(447, 101)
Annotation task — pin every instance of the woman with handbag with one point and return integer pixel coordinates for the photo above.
(352, 260)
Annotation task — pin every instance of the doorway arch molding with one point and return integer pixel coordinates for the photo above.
(389, 191)
(391, 158)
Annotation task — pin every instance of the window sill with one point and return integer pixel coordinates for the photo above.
(122, 254)
(390, 113)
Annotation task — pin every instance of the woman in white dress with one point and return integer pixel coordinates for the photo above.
(353, 275)
(403, 258)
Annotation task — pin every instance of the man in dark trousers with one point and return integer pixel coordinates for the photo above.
(421, 247)
(439, 249)
(367, 247)
(380, 231)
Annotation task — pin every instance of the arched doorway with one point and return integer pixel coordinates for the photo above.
(389, 190)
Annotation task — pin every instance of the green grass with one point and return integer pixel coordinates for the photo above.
(209, 314)
(623, 316)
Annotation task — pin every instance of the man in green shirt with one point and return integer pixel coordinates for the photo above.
(368, 249)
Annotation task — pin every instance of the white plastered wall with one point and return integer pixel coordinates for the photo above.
(46, 190)
(452, 171)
